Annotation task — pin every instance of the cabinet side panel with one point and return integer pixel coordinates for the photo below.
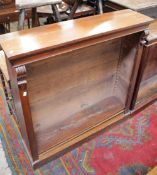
(125, 71)
(148, 86)
(17, 103)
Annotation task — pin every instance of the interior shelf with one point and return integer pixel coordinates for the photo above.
(75, 124)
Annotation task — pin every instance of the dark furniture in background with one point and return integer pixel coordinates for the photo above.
(98, 4)
(8, 14)
(28, 4)
(7, 7)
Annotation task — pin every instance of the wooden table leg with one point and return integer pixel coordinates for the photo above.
(2, 28)
(56, 13)
(28, 22)
(21, 19)
(9, 26)
(100, 6)
(35, 19)
(74, 8)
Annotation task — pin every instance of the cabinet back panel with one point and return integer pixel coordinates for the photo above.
(127, 58)
(71, 93)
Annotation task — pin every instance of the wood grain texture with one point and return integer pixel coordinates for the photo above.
(80, 90)
(80, 75)
(148, 86)
(126, 67)
(152, 37)
(147, 76)
(54, 36)
(28, 121)
(17, 102)
(8, 11)
(87, 86)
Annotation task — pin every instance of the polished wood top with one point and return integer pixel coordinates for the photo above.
(51, 37)
(153, 32)
(6, 11)
(136, 4)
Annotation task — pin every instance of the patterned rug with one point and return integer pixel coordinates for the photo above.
(129, 148)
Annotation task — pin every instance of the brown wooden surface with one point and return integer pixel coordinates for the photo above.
(137, 5)
(8, 14)
(7, 4)
(28, 121)
(147, 77)
(130, 49)
(8, 11)
(148, 86)
(77, 95)
(73, 94)
(86, 87)
(17, 102)
(152, 37)
(11, 14)
(16, 45)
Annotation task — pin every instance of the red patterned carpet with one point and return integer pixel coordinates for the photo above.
(129, 148)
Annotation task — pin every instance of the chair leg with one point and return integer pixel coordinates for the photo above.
(35, 19)
(8, 26)
(56, 13)
(5, 27)
(100, 6)
(2, 29)
(74, 8)
(28, 23)
(21, 19)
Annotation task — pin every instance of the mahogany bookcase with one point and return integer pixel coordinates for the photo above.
(80, 77)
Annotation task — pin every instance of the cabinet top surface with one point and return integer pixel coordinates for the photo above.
(153, 32)
(136, 4)
(44, 38)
